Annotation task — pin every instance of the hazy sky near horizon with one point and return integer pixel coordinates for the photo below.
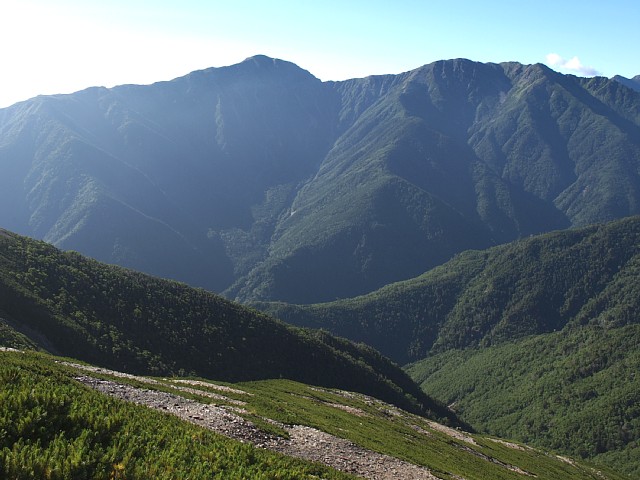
(61, 46)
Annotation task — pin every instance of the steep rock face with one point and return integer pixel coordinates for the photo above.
(261, 181)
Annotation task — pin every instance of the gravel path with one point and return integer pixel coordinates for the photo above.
(303, 442)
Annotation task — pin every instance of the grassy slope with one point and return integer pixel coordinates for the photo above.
(53, 427)
(66, 429)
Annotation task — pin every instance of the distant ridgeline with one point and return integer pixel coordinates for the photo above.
(70, 305)
(260, 181)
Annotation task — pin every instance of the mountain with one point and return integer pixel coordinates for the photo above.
(146, 176)
(60, 419)
(262, 182)
(534, 340)
(484, 297)
(633, 83)
(70, 305)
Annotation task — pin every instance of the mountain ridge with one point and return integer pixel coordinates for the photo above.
(266, 183)
(633, 83)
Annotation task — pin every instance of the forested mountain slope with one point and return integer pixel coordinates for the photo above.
(484, 297)
(261, 181)
(70, 305)
(536, 340)
(575, 391)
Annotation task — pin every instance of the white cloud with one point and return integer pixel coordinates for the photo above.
(553, 59)
(572, 65)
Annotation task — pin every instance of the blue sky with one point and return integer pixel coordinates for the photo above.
(61, 46)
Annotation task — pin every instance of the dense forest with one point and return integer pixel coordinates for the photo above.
(575, 391)
(72, 305)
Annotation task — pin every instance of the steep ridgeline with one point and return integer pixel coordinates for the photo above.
(633, 83)
(535, 340)
(77, 307)
(262, 182)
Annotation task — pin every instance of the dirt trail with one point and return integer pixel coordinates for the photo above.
(303, 442)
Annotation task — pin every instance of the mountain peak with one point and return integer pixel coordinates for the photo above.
(261, 60)
(633, 83)
(264, 64)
